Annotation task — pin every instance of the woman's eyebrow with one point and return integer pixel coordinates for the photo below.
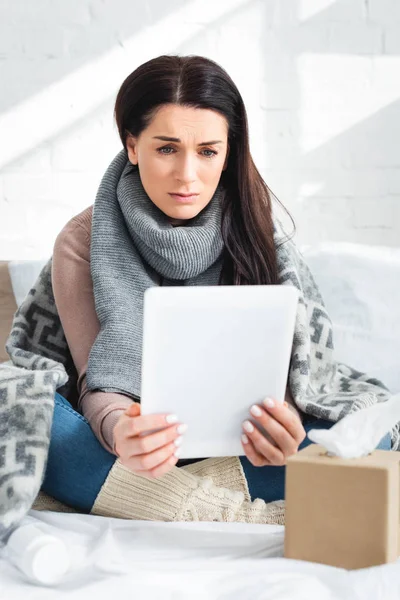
(165, 138)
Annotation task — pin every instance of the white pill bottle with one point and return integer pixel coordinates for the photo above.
(34, 549)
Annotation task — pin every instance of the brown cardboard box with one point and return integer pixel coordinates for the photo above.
(342, 512)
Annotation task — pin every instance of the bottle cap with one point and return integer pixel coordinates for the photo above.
(42, 557)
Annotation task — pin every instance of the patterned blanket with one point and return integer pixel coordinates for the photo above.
(41, 363)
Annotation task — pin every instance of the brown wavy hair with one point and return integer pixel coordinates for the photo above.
(198, 82)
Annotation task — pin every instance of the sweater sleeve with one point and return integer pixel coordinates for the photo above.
(73, 294)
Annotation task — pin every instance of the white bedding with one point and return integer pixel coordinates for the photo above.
(116, 558)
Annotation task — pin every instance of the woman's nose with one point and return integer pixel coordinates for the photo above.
(186, 170)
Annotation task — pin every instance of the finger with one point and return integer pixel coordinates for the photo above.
(273, 454)
(133, 410)
(251, 453)
(162, 468)
(285, 417)
(145, 423)
(279, 435)
(148, 443)
(147, 462)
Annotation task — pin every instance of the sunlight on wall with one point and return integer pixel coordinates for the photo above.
(309, 8)
(319, 79)
(80, 93)
(328, 108)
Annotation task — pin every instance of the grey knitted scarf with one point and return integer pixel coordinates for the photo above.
(134, 247)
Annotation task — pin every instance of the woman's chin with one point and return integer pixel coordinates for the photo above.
(184, 213)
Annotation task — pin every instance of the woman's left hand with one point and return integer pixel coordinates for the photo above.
(282, 423)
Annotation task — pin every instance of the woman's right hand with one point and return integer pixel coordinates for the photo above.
(148, 454)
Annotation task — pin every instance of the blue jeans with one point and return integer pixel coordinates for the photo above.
(78, 465)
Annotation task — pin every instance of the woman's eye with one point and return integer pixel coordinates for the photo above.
(165, 150)
(213, 153)
(160, 150)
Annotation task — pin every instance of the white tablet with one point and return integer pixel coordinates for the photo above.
(211, 352)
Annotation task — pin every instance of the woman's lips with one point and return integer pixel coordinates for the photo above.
(184, 199)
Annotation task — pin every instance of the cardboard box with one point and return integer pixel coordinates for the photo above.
(342, 512)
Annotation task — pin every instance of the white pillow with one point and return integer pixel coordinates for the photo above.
(23, 274)
(360, 286)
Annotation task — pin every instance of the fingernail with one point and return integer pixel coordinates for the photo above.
(269, 403)
(171, 418)
(256, 411)
(182, 428)
(247, 426)
(178, 452)
(178, 441)
(245, 439)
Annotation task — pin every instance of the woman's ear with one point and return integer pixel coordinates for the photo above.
(131, 149)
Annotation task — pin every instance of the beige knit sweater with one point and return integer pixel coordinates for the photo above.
(214, 489)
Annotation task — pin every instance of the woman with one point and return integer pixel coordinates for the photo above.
(186, 166)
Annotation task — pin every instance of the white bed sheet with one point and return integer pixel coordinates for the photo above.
(117, 558)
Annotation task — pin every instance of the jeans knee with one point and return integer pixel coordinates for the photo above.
(61, 402)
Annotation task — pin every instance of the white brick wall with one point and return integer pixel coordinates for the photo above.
(320, 79)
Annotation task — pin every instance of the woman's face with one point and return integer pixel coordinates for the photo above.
(183, 151)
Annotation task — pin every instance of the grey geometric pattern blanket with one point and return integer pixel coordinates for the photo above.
(41, 363)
